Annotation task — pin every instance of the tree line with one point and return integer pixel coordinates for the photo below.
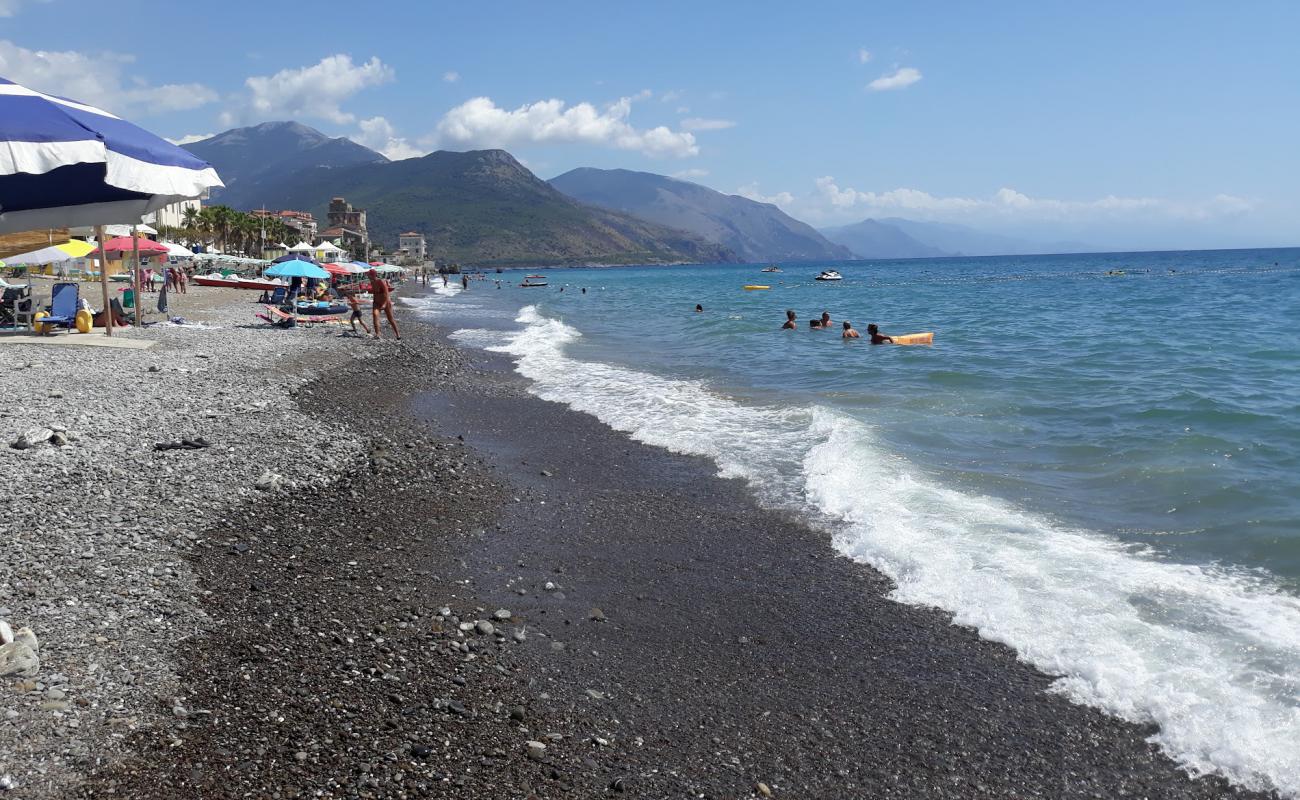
(229, 230)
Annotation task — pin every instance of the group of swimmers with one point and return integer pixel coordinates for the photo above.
(848, 332)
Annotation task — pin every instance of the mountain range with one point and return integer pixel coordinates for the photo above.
(485, 208)
(480, 207)
(252, 161)
(754, 231)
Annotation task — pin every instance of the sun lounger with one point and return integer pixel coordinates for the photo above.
(277, 316)
(64, 303)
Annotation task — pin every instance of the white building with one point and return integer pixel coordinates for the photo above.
(411, 247)
(172, 216)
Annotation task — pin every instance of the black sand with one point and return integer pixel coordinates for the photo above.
(691, 643)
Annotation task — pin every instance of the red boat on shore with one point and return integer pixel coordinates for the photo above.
(236, 282)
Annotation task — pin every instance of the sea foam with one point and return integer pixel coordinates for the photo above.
(1211, 655)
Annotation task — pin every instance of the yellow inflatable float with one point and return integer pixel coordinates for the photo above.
(753, 286)
(915, 338)
(38, 325)
(85, 320)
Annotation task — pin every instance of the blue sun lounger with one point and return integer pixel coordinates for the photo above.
(64, 302)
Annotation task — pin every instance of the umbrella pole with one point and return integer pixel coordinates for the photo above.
(103, 280)
(139, 301)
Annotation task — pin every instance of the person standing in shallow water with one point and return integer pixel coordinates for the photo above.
(790, 323)
(383, 301)
(849, 333)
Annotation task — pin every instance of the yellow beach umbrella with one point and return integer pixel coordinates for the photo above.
(76, 248)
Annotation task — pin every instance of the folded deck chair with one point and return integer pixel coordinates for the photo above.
(65, 300)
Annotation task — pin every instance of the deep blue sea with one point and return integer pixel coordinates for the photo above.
(1097, 462)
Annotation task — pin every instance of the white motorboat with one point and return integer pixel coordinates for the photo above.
(830, 275)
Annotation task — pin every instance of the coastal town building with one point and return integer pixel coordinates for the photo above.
(173, 216)
(347, 227)
(410, 247)
(300, 221)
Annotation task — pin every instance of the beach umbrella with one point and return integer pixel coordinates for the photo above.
(64, 163)
(334, 268)
(122, 244)
(53, 254)
(294, 257)
(296, 269)
(178, 251)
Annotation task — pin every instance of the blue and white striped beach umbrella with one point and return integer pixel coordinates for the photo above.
(64, 163)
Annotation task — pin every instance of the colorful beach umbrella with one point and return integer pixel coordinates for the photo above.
(125, 244)
(296, 269)
(294, 257)
(64, 163)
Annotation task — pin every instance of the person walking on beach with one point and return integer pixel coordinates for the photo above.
(790, 323)
(383, 301)
(876, 336)
(849, 333)
(356, 319)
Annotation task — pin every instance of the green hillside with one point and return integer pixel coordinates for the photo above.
(484, 208)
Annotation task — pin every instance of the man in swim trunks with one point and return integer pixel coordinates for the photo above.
(849, 333)
(383, 301)
(789, 321)
(876, 336)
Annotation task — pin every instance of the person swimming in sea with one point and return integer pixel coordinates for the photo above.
(824, 322)
(876, 336)
(789, 324)
(849, 333)
(698, 308)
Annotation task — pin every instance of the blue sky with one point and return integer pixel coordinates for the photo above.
(1146, 124)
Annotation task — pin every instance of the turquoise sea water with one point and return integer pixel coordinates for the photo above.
(1100, 470)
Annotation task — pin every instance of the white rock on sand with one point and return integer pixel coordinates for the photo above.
(95, 529)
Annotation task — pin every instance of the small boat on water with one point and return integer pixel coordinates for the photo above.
(830, 275)
(533, 281)
(773, 268)
(236, 282)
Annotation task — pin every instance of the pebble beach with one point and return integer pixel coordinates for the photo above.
(394, 573)
(99, 522)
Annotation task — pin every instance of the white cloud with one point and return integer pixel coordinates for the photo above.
(481, 123)
(699, 124)
(191, 138)
(683, 109)
(451, 76)
(671, 96)
(687, 174)
(378, 134)
(900, 78)
(316, 91)
(9, 8)
(784, 199)
(864, 55)
(99, 79)
(829, 202)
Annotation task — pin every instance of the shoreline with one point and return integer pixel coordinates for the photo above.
(690, 643)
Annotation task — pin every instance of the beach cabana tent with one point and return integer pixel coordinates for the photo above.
(65, 163)
(301, 247)
(328, 251)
